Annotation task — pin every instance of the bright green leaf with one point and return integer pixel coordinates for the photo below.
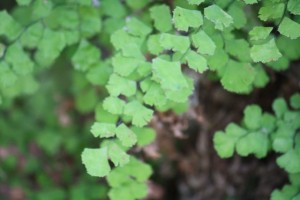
(18, 59)
(8, 26)
(203, 43)
(117, 155)
(256, 143)
(126, 136)
(118, 85)
(280, 107)
(196, 61)
(85, 56)
(144, 135)
(238, 77)
(289, 28)
(139, 113)
(218, 16)
(103, 130)
(271, 11)
(90, 21)
(294, 7)
(137, 28)
(31, 37)
(252, 116)
(124, 66)
(290, 161)
(260, 32)
(114, 105)
(168, 74)
(174, 42)
(162, 17)
(295, 101)
(184, 18)
(266, 52)
(96, 161)
(195, 2)
(153, 44)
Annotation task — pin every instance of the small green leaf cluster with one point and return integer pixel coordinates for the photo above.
(34, 35)
(262, 132)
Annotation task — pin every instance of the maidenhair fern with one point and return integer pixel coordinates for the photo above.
(261, 132)
(139, 51)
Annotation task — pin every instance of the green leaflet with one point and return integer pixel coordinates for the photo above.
(261, 77)
(96, 161)
(290, 161)
(31, 37)
(153, 44)
(145, 136)
(118, 85)
(184, 18)
(99, 73)
(90, 21)
(2, 50)
(121, 39)
(224, 143)
(126, 136)
(181, 95)
(256, 143)
(242, 53)
(18, 59)
(105, 116)
(280, 107)
(295, 101)
(252, 117)
(7, 75)
(137, 4)
(203, 43)
(49, 47)
(271, 11)
(137, 28)
(288, 47)
(114, 105)
(107, 6)
(140, 114)
(68, 15)
(288, 192)
(238, 77)
(218, 16)
(168, 74)
(41, 9)
(85, 56)
(174, 42)
(9, 27)
(195, 2)
(266, 52)
(128, 182)
(294, 7)
(260, 32)
(283, 139)
(124, 66)
(238, 15)
(117, 155)
(162, 17)
(289, 28)
(154, 95)
(103, 130)
(129, 191)
(24, 2)
(218, 61)
(250, 1)
(196, 61)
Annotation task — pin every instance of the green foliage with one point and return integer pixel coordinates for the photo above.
(263, 132)
(133, 56)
